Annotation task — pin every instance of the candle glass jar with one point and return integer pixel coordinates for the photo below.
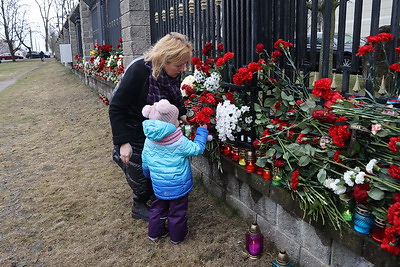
(363, 220)
(250, 162)
(346, 207)
(379, 230)
(242, 157)
(267, 174)
(227, 149)
(254, 241)
(235, 154)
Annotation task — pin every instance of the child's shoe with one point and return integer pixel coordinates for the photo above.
(178, 242)
(155, 239)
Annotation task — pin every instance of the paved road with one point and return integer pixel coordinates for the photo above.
(5, 84)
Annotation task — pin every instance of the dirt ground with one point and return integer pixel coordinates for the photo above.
(64, 202)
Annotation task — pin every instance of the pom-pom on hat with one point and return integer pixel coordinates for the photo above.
(162, 110)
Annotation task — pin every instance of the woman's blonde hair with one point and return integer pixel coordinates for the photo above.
(172, 48)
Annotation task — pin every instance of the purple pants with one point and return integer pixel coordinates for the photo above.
(174, 212)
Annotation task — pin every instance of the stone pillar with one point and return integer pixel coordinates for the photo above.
(135, 28)
(73, 40)
(86, 28)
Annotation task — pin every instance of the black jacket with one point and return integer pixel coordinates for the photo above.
(129, 98)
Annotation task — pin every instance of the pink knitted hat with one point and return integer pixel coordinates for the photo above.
(162, 110)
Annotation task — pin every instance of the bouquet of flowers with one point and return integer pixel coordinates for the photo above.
(323, 145)
(105, 62)
(208, 103)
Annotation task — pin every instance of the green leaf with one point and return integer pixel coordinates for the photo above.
(270, 152)
(376, 194)
(286, 156)
(284, 96)
(269, 102)
(383, 133)
(321, 176)
(257, 107)
(304, 161)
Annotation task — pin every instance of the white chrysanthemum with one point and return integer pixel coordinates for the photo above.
(199, 76)
(248, 120)
(347, 176)
(212, 83)
(333, 184)
(360, 178)
(227, 118)
(340, 189)
(370, 166)
(120, 60)
(97, 60)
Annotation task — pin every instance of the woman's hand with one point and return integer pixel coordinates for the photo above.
(125, 152)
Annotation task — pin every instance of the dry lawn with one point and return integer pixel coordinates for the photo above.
(64, 202)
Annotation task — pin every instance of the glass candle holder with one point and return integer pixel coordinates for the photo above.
(191, 116)
(267, 174)
(254, 241)
(227, 149)
(242, 157)
(346, 207)
(235, 154)
(379, 230)
(363, 220)
(250, 161)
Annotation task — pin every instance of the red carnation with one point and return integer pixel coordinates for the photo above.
(393, 143)
(295, 179)
(275, 55)
(220, 62)
(196, 61)
(360, 193)
(259, 48)
(394, 171)
(254, 67)
(336, 156)
(395, 67)
(362, 50)
(385, 36)
(339, 134)
(374, 39)
(220, 47)
(279, 163)
(228, 55)
(302, 139)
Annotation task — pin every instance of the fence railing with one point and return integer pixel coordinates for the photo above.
(320, 41)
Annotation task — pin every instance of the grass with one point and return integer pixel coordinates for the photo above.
(9, 69)
(64, 202)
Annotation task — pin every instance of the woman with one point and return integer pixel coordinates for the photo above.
(147, 79)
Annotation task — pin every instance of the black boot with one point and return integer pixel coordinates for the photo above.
(140, 210)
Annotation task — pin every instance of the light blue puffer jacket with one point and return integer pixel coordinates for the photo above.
(167, 163)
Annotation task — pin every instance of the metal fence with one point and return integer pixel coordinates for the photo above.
(106, 21)
(241, 24)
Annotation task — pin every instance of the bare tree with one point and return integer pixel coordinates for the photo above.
(23, 31)
(45, 8)
(62, 9)
(12, 20)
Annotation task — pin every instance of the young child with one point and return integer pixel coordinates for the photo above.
(165, 159)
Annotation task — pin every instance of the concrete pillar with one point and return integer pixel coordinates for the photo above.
(73, 40)
(135, 28)
(86, 28)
